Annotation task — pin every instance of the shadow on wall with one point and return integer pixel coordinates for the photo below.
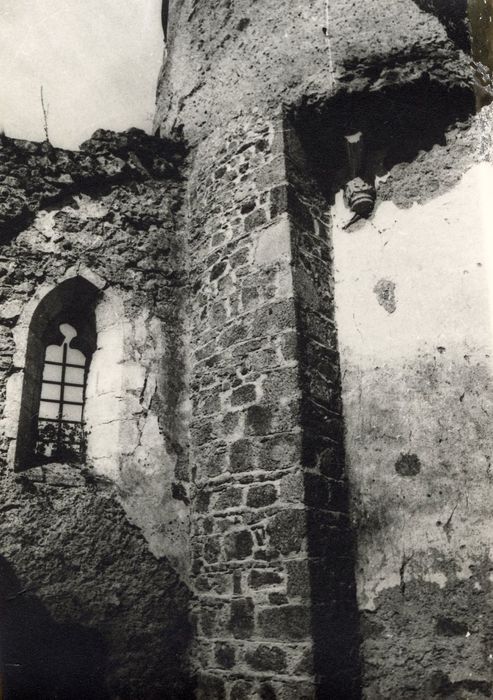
(42, 659)
(453, 16)
(104, 618)
(332, 553)
(397, 124)
(330, 538)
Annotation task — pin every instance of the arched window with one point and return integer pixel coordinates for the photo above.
(61, 341)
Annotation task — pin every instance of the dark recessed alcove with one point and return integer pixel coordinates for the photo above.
(397, 123)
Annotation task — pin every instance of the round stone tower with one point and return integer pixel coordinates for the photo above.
(294, 492)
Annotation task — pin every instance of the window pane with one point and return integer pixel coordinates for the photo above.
(72, 393)
(72, 412)
(73, 375)
(54, 353)
(50, 391)
(48, 410)
(75, 357)
(52, 373)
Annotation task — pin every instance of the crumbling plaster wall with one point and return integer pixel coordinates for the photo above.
(222, 57)
(109, 213)
(414, 316)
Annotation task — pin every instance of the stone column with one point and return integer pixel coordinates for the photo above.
(268, 546)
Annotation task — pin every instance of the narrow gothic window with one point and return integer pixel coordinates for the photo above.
(60, 432)
(61, 341)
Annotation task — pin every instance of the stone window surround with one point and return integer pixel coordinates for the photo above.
(104, 382)
(125, 443)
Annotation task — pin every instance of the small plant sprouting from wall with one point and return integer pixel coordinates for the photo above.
(45, 109)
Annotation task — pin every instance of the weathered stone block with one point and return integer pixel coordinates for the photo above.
(267, 658)
(225, 655)
(278, 599)
(241, 457)
(255, 219)
(202, 501)
(287, 531)
(261, 495)
(243, 395)
(258, 420)
(280, 452)
(274, 244)
(210, 688)
(230, 498)
(290, 622)
(292, 487)
(212, 550)
(263, 577)
(241, 690)
(241, 622)
(250, 297)
(238, 545)
(278, 201)
(217, 270)
(298, 578)
(281, 383)
(269, 319)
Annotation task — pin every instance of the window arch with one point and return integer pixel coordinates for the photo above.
(60, 343)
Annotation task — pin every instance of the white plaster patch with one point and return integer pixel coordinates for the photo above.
(439, 255)
(10, 421)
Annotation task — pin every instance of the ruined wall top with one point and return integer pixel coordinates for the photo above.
(37, 175)
(223, 59)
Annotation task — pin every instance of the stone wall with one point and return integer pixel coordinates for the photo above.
(411, 328)
(248, 521)
(288, 419)
(100, 549)
(340, 68)
(271, 544)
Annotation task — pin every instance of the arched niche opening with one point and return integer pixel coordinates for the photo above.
(50, 367)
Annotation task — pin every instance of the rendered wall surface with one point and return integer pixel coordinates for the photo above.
(413, 300)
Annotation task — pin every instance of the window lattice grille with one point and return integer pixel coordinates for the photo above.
(61, 405)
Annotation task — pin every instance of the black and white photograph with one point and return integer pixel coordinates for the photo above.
(246, 349)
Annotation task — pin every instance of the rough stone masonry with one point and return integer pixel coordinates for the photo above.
(287, 482)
